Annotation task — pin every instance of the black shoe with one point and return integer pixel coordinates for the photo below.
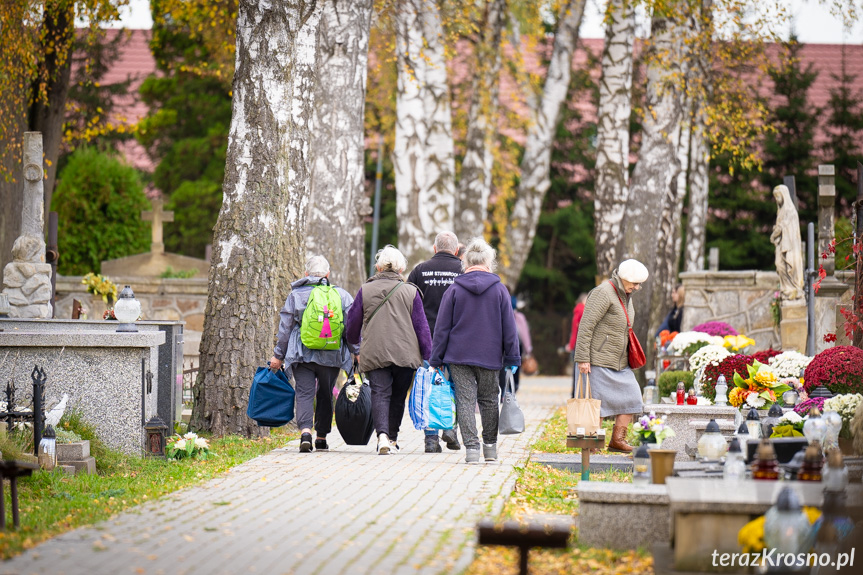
(306, 443)
(451, 438)
(432, 444)
(321, 444)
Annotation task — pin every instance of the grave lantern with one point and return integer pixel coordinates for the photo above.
(735, 465)
(156, 439)
(127, 310)
(815, 427)
(790, 398)
(753, 423)
(835, 476)
(772, 419)
(641, 466)
(834, 425)
(48, 449)
(712, 445)
(721, 391)
(651, 393)
(786, 526)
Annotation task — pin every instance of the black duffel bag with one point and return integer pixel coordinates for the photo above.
(354, 417)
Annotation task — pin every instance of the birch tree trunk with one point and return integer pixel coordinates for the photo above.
(423, 155)
(474, 186)
(699, 154)
(536, 161)
(654, 179)
(338, 203)
(612, 131)
(259, 236)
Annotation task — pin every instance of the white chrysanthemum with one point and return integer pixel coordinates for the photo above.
(191, 436)
(201, 443)
(789, 363)
(754, 400)
(845, 404)
(181, 444)
(686, 338)
(707, 355)
(790, 417)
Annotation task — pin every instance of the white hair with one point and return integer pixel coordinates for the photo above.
(390, 259)
(317, 266)
(446, 242)
(479, 253)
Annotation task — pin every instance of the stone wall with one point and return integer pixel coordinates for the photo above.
(161, 299)
(742, 299)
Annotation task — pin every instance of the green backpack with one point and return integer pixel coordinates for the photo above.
(323, 320)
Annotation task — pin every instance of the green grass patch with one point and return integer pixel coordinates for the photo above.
(53, 503)
(553, 438)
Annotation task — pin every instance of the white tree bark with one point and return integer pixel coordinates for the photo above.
(338, 203)
(536, 161)
(612, 131)
(654, 179)
(259, 236)
(474, 186)
(423, 155)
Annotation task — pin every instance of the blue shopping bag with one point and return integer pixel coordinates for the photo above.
(441, 403)
(418, 402)
(271, 399)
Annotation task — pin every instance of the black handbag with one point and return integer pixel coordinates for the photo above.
(354, 417)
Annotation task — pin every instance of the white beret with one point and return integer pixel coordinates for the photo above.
(632, 271)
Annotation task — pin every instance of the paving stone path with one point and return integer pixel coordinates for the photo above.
(343, 511)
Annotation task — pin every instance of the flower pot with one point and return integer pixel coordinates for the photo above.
(847, 447)
(662, 464)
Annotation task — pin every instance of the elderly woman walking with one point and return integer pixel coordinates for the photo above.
(387, 320)
(475, 335)
(315, 370)
(601, 348)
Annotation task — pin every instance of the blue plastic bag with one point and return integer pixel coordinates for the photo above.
(418, 402)
(271, 399)
(441, 403)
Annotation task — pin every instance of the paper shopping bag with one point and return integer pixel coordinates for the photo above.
(582, 413)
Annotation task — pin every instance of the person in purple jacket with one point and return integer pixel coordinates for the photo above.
(475, 335)
(388, 322)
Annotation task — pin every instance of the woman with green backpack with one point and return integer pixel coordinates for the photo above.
(311, 342)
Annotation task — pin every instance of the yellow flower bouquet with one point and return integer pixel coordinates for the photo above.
(759, 390)
(99, 285)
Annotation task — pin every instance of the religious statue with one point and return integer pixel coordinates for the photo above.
(789, 248)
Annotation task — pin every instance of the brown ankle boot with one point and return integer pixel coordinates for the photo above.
(618, 440)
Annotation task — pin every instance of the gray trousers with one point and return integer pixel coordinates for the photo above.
(476, 385)
(315, 382)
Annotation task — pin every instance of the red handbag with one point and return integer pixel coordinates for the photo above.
(634, 352)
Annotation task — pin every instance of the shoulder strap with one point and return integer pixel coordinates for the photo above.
(380, 305)
(621, 303)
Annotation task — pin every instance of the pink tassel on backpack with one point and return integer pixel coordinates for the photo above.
(326, 330)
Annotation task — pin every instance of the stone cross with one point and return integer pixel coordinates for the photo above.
(33, 211)
(830, 293)
(157, 216)
(826, 215)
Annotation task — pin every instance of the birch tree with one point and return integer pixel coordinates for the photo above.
(338, 202)
(536, 160)
(474, 185)
(423, 155)
(612, 133)
(654, 179)
(259, 236)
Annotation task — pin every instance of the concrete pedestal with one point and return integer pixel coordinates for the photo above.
(679, 418)
(792, 328)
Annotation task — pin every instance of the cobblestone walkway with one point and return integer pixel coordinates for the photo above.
(346, 511)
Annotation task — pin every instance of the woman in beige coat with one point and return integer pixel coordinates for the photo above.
(601, 348)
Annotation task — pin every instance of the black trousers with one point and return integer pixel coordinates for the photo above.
(315, 392)
(390, 386)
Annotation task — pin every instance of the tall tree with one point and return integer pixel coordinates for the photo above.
(475, 180)
(423, 155)
(654, 182)
(260, 233)
(338, 204)
(536, 159)
(612, 137)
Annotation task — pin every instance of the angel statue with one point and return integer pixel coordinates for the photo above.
(789, 249)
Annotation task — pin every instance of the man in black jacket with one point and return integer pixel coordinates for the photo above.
(433, 277)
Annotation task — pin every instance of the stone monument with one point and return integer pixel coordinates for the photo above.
(789, 266)
(156, 262)
(27, 279)
(831, 290)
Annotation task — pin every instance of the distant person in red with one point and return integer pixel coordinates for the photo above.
(576, 319)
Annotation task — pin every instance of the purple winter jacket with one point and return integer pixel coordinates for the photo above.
(475, 324)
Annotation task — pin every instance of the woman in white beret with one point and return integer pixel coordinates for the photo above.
(601, 348)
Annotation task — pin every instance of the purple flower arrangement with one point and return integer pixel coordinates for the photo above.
(804, 407)
(719, 328)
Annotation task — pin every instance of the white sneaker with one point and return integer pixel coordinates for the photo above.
(394, 447)
(383, 444)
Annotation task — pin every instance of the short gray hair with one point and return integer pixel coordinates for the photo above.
(479, 253)
(389, 258)
(446, 242)
(317, 266)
